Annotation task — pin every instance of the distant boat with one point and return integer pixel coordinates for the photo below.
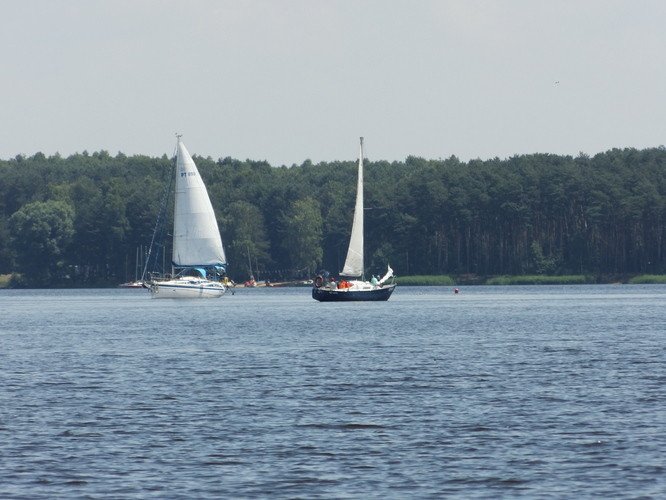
(133, 284)
(137, 283)
(325, 290)
(198, 260)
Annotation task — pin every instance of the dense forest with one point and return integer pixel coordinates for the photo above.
(87, 220)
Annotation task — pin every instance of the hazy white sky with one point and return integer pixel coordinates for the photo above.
(288, 80)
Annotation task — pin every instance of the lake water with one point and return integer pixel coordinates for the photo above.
(535, 392)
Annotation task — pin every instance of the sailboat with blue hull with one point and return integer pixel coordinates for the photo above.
(352, 286)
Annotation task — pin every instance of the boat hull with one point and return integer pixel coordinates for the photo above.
(330, 295)
(184, 290)
(133, 284)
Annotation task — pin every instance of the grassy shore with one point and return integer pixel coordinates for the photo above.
(575, 279)
(649, 279)
(445, 280)
(4, 280)
(425, 280)
(540, 280)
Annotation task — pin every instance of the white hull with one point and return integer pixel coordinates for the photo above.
(187, 288)
(132, 284)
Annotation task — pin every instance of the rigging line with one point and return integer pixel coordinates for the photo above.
(160, 217)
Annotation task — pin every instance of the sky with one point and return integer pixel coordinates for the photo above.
(290, 80)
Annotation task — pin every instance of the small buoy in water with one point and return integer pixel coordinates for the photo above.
(455, 290)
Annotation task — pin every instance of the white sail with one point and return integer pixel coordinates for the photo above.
(196, 237)
(354, 262)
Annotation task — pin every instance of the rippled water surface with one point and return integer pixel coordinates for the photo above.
(529, 392)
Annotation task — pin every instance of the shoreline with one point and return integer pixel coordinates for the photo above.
(432, 280)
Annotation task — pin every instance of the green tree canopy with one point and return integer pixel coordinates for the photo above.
(244, 230)
(302, 229)
(41, 233)
(553, 214)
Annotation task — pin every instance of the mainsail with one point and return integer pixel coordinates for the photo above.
(354, 263)
(196, 237)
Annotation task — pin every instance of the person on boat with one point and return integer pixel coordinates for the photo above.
(374, 281)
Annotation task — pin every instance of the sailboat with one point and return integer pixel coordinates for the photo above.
(137, 283)
(355, 288)
(198, 259)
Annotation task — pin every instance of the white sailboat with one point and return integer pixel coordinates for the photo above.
(198, 258)
(356, 288)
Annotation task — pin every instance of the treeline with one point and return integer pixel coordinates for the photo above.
(81, 220)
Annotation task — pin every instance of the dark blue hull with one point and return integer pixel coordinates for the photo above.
(327, 295)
